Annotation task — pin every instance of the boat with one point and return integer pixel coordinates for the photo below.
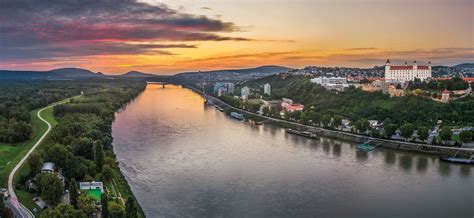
(220, 109)
(453, 159)
(366, 147)
(302, 133)
(237, 116)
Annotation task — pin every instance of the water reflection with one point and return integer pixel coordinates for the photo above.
(183, 159)
(422, 164)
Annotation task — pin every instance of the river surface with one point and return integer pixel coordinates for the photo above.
(185, 159)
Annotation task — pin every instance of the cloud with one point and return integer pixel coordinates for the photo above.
(36, 29)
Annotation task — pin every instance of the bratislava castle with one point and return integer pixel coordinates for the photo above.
(406, 73)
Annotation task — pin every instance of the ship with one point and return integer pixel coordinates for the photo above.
(237, 116)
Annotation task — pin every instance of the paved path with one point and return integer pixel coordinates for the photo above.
(18, 209)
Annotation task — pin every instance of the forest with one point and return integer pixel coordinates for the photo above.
(80, 145)
(18, 98)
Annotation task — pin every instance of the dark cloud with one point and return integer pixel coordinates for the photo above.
(30, 28)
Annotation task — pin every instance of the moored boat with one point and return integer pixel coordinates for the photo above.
(237, 116)
(459, 160)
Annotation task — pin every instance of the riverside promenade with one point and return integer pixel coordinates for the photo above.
(388, 143)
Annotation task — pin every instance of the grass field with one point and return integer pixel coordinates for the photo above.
(11, 154)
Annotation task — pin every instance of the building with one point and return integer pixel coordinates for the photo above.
(445, 96)
(48, 167)
(267, 89)
(406, 73)
(331, 83)
(225, 88)
(94, 189)
(288, 105)
(245, 92)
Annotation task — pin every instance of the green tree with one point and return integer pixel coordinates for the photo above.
(390, 130)
(465, 136)
(87, 203)
(35, 161)
(445, 134)
(98, 155)
(105, 206)
(63, 211)
(326, 120)
(362, 125)
(116, 211)
(107, 173)
(2, 205)
(57, 154)
(131, 208)
(73, 192)
(406, 130)
(423, 133)
(375, 133)
(51, 188)
(336, 121)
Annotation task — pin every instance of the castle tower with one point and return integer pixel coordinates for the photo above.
(429, 65)
(387, 70)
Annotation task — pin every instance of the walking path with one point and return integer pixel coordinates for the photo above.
(18, 209)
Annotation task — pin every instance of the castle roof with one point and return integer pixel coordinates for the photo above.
(408, 68)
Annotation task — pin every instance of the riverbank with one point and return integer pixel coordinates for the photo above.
(388, 143)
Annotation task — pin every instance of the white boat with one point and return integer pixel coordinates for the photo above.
(237, 116)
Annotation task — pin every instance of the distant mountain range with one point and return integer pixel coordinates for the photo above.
(64, 74)
(270, 69)
(465, 66)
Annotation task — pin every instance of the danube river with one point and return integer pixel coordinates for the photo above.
(185, 159)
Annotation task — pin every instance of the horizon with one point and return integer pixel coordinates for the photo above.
(169, 37)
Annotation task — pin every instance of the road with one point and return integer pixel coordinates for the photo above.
(18, 209)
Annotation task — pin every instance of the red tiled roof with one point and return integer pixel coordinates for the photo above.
(408, 67)
(468, 79)
(401, 67)
(445, 91)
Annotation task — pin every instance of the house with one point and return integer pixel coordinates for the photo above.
(445, 96)
(48, 167)
(94, 189)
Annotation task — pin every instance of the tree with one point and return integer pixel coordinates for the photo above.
(73, 192)
(406, 130)
(362, 125)
(390, 130)
(465, 136)
(423, 133)
(63, 211)
(116, 211)
(57, 154)
(107, 173)
(2, 205)
(98, 155)
(35, 161)
(375, 133)
(336, 121)
(51, 188)
(87, 203)
(105, 206)
(445, 134)
(326, 120)
(130, 208)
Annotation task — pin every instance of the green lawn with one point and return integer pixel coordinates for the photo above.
(11, 154)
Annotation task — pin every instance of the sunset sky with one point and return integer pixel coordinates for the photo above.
(169, 36)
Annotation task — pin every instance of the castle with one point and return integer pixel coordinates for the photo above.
(406, 73)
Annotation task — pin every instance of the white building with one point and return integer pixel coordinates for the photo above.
(406, 73)
(91, 185)
(267, 89)
(48, 167)
(332, 83)
(228, 88)
(245, 92)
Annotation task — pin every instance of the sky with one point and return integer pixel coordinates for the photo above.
(170, 36)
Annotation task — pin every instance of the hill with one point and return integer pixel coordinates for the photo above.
(61, 73)
(464, 66)
(136, 74)
(270, 69)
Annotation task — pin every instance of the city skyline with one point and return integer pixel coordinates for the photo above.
(168, 37)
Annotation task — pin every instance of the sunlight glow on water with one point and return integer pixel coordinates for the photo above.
(184, 159)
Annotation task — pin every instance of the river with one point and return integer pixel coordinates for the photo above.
(185, 159)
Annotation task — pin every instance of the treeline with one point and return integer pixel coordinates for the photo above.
(355, 104)
(81, 146)
(17, 99)
(455, 83)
